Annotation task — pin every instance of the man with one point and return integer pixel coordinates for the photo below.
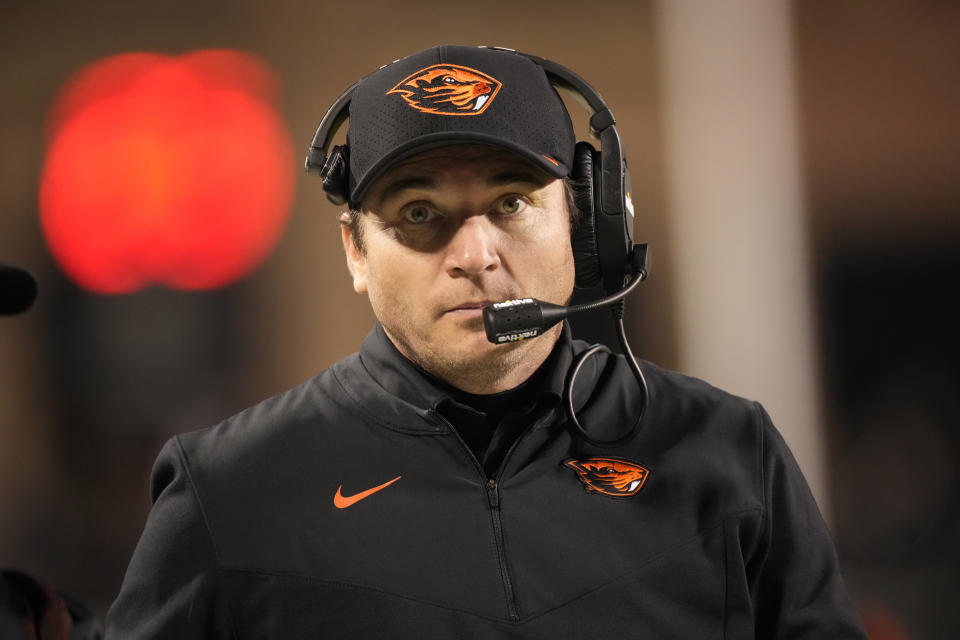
(430, 486)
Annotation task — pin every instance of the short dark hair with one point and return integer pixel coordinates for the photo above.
(351, 218)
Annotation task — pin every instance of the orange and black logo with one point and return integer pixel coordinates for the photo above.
(610, 476)
(448, 89)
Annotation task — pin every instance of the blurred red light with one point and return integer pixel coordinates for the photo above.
(166, 170)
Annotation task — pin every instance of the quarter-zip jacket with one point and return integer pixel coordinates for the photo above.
(246, 539)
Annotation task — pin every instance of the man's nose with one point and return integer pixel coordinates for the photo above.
(473, 248)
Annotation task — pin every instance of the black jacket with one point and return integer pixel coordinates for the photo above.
(720, 538)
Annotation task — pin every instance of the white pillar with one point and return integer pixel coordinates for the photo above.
(736, 221)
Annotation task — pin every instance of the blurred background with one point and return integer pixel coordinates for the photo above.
(794, 168)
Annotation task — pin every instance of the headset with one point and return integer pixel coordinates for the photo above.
(602, 238)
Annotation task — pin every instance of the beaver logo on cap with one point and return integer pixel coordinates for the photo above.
(448, 89)
(610, 476)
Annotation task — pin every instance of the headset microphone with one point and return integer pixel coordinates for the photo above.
(515, 320)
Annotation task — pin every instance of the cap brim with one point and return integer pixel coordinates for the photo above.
(420, 144)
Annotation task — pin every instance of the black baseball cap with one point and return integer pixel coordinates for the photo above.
(453, 94)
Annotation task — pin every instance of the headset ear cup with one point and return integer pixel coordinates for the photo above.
(583, 238)
(336, 175)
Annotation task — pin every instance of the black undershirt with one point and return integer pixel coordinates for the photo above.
(490, 424)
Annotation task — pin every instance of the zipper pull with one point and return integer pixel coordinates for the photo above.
(492, 495)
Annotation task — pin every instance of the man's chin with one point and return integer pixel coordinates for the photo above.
(467, 342)
(469, 320)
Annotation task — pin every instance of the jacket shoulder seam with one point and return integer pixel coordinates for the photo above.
(196, 496)
(761, 472)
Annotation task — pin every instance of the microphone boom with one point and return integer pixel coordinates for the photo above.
(515, 320)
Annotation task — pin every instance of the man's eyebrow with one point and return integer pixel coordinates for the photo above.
(402, 184)
(426, 182)
(517, 177)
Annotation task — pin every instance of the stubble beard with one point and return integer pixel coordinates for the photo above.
(498, 368)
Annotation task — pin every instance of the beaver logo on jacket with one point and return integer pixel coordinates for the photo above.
(610, 476)
(448, 89)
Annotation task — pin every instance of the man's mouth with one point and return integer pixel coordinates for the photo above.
(472, 309)
(469, 307)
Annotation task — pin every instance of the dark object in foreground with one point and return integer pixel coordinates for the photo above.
(30, 610)
(18, 290)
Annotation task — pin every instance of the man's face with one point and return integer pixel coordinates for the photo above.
(448, 232)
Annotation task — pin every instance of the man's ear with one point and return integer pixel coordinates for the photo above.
(356, 261)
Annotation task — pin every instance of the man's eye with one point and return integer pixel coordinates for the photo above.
(512, 204)
(419, 215)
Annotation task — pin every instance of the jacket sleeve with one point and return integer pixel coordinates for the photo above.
(170, 588)
(794, 574)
